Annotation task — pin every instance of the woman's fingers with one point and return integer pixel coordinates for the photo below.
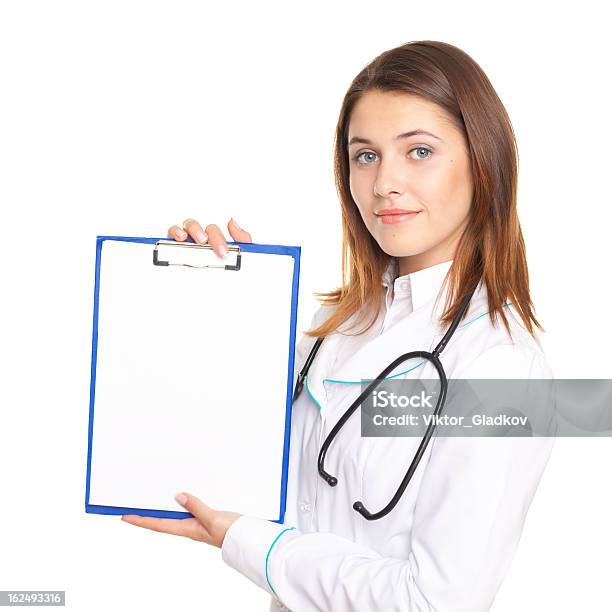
(215, 523)
(188, 527)
(177, 233)
(216, 239)
(194, 229)
(211, 234)
(173, 526)
(237, 233)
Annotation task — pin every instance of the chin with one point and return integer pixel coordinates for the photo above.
(401, 249)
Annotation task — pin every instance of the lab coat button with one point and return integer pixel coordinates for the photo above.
(304, 507)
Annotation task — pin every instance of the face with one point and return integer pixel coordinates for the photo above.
(427, 174)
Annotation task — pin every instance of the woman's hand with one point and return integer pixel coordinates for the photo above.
(208, 525)
(212, 234)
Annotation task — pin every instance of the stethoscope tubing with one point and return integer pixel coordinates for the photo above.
(434, 358)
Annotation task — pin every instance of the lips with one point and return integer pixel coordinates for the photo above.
(396, 215)
(395, 211)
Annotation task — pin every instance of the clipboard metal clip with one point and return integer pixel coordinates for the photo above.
(189, 254)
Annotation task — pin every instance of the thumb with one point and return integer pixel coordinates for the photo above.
(196, 506)
(237, 233)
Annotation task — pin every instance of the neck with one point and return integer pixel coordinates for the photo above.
(414, 263)
(445, 251)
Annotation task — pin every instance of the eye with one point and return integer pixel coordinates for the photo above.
(421, 150)
(358, 156)
(422, 153)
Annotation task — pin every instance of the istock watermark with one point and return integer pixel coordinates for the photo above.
(488, 407)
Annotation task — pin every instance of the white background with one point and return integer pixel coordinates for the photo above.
(126, 117)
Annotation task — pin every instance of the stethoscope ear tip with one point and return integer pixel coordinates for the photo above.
(359, 507)
(332, 481)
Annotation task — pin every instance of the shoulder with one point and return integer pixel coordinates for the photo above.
(322, 313)
(492, 352)
(519, 360)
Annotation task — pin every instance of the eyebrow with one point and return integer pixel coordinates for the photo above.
(416, 132)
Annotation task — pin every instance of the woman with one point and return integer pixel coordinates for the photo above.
(426, 170)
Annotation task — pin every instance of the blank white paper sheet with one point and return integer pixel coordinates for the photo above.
(192, 370)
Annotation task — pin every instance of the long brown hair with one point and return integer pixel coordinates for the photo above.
(491, 247)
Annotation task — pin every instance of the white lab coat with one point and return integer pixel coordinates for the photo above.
(448, 543)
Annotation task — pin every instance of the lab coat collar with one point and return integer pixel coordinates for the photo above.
(420, 329)
(424, 284)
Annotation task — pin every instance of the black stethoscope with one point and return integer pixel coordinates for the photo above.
(332, 481)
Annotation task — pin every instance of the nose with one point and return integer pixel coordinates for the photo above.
(390, 179)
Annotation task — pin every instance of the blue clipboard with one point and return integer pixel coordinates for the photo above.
(242, 249)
